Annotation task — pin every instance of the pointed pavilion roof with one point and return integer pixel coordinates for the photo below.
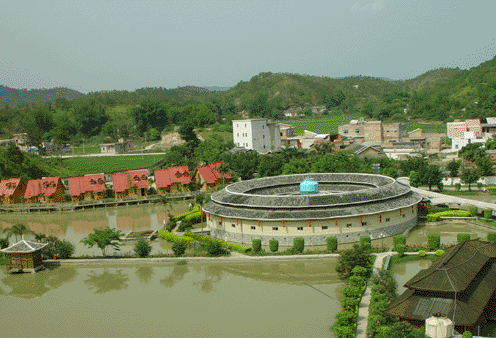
(24, 246)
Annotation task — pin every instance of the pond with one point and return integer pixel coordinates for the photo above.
(252, 299)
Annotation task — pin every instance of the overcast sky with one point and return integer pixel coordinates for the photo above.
(104, 45)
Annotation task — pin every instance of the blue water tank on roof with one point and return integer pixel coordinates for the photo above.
(309, 187)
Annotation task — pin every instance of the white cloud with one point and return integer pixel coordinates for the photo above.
(375, 6)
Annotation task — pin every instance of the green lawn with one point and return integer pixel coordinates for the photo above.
(226, 136)
(108, 164)
(426, 128)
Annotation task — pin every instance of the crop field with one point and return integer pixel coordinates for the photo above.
(330, 123)
(108, 164)
(87, 150)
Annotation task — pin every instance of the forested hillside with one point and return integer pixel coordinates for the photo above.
(12, 96)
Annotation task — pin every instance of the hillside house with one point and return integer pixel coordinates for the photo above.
(172, 179)
(45, 190)
(469, 131)
(88, 187)
(365, 151)
(460, 284)
(116, 148)
(130, 183)
(21, 141)
(12, 190)
(361, 130)
(209, 176)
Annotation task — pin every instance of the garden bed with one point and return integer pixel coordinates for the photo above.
(147, 235)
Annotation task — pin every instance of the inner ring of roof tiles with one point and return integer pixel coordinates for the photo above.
(335, 189)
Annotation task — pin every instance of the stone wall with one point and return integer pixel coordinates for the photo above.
(343, 238)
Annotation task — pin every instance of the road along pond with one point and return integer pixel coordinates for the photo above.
(276, 299)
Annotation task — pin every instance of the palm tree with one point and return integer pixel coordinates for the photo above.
(223, 170)
(39, 237)
(17, 229)
(167, 202)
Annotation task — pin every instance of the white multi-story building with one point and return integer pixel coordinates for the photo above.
(469, 131)
(257, 134)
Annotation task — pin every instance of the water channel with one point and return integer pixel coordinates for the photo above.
(253, 299)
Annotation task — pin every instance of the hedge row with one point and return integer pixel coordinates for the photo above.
(170, 237)
(449, 213)
(383, 292)
(193, 210)
(236, 247)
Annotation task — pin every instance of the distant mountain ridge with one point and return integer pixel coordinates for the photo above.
(217, 88)
(13, 96)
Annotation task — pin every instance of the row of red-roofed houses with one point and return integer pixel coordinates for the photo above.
(125, 184)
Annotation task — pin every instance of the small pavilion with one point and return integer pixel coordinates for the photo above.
(24, 256)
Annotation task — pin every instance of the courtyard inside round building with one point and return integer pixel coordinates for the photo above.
(312, 206)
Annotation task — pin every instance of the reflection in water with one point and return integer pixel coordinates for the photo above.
(37, 284)
(403, 275)
(175, 276)
(144, 274)
(107, 281)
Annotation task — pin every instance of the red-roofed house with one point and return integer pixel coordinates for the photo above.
(12, 190)
(45, 190)
(131, 183)
(208, 175)
(172, 179)
(87, 187)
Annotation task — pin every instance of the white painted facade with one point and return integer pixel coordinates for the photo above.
(256, 134)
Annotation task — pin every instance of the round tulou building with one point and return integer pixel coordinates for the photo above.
(312, 206)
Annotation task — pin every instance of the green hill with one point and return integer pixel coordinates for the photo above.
(13, 97)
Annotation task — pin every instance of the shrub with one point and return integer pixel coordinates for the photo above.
(344, 331)
(421, 253)
(349, 259)
(458, 186)
(256, 245)
(352, 291)
(479, 185)
(473, 211)
(179, 248)
(350, 303)
(492, 190)
(365, 240)
(439, 252)
(214, 248)
(274, 245)
(400, 250)
(356, 281)
(170, 237)
(434, 241)
(466, 334)
(491, 237)
(360, 271)
(109, 193)
(450, 213)
(462, 237)
(488, 214)
(299, 244)
(398, 239)
(4, 243)
(345, 318)
(142, 248)
(64, 249)
(67, 198)
(332, 244)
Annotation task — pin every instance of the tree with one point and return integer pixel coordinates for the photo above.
(103, 238)
(142, 248)
(245, 164)
(167, 202)
(360, 255)
(188, 134)
(391, 172)
(17, 229)
(469, 176)
(433, 176)
(153, 134)
(296, 166)
(39, 237)
(270, 165)
(453, 167)
(484, 166)
(90, 117)
(472, 151)
(223, 170)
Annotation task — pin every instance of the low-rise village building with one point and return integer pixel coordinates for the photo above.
(88, 187)
(117, 147)
(470, 131)
(361, 130)
(286, 131)
(209, 176)
(363, 151)
(257, 134)
(130, 183)
(12, 190)
(45, 190)
(172, 179)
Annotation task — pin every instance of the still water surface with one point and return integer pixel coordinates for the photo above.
(272, 299)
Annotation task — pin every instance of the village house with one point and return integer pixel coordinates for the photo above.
(209, 176)
(45, 190)
(21, 141)
(172, 179)
(470, 131)
(117, 147)
(286, 130)
(88, 187)
(459, 284)
(12, 190)
(363, 151)
(361, 130)
(429, 141)
(130, 183)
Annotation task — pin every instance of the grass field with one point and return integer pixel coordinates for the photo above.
(226, 136)
(329, 124)
(108, 164)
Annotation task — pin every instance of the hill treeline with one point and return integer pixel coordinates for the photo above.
(441, 94)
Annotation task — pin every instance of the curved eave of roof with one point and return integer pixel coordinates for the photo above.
(24, 246)
(287, 213)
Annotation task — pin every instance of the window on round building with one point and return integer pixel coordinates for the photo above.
(252, 228)
(275, 228)
(299, 228)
